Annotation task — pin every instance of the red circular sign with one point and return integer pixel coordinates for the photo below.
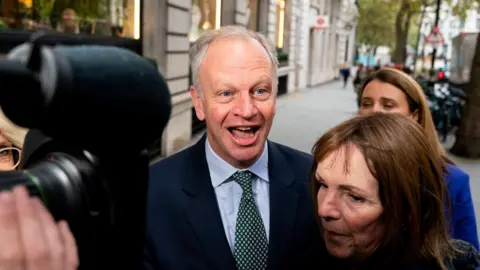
(320, 21)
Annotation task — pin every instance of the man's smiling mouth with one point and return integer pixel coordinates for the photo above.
(243, 132)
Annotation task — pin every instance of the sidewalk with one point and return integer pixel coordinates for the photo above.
(303, 116)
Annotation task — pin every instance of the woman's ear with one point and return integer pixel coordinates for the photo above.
(415, 116)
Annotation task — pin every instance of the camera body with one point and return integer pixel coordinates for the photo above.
(92, 111)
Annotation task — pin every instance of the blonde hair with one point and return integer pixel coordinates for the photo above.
(12, 132)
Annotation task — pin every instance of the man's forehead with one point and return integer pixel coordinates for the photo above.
(223, 79)
(235, 47)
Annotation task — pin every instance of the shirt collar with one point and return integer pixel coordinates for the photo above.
(220, 170)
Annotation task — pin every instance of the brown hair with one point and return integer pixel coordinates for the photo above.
(416, 101)
(411, 186)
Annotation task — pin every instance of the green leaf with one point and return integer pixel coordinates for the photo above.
(375, 25)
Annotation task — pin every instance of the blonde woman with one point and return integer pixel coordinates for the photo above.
(11, 143)
(392, 91)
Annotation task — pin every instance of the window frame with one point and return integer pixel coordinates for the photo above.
(12, 36)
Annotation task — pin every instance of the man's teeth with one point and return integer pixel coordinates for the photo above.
(244, 128)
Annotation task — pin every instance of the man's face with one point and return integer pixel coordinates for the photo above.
(236, 98)
(69, 18)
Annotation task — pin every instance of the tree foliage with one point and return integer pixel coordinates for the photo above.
(389, 22)
(375, 24)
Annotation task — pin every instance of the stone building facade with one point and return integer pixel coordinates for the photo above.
(323, 51)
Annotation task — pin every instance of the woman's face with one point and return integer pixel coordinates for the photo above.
(349, 206)
(7, 161)
(383, 97)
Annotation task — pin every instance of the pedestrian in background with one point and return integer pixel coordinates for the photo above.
(345, 72)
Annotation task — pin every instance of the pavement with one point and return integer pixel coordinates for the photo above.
(303, 116)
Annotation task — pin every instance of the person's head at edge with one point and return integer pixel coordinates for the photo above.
(379, 193)
(234, 74)
(11, 143)
(392, 91)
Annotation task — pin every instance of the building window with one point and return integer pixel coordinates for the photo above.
(280, 40)
(205, 15)
(282, 33)
(120, 18)
(252, 14)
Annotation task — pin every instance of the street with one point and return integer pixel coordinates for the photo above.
(302, 117)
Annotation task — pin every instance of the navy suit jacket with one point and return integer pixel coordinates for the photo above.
(185, 229)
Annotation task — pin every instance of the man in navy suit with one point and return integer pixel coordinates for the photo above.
(234, 200)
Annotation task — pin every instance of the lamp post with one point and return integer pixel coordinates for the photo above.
(437, 18)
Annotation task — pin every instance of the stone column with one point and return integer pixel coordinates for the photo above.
(303, 44)
(241, 12)
(173, 51)
(272, 20)
(293, 43)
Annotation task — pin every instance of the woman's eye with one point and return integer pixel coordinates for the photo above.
(355, 198)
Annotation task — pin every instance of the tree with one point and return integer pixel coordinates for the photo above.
(374, 27)
(467, 141)
(407, 10)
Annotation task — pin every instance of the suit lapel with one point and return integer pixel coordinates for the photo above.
(202, 210)
(283, 205)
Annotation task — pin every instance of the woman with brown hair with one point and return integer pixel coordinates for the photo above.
(379, 188)
(393, 91)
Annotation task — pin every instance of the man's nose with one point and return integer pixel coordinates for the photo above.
(245, 106)
(327, 205)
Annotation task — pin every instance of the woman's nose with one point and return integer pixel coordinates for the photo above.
(377, 108)
(327, 205)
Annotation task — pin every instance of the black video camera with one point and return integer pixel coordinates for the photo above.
(97, 110)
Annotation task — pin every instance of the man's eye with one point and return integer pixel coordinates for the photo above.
(260, 91)
(226, 94)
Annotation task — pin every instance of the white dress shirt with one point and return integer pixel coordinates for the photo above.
(229, 192)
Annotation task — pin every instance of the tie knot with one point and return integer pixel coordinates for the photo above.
(244, 179)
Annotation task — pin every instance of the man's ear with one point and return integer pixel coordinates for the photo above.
(197, 102)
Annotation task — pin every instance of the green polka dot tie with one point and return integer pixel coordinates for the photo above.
(251, 248)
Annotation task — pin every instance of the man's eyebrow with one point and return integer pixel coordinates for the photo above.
(220, 83)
